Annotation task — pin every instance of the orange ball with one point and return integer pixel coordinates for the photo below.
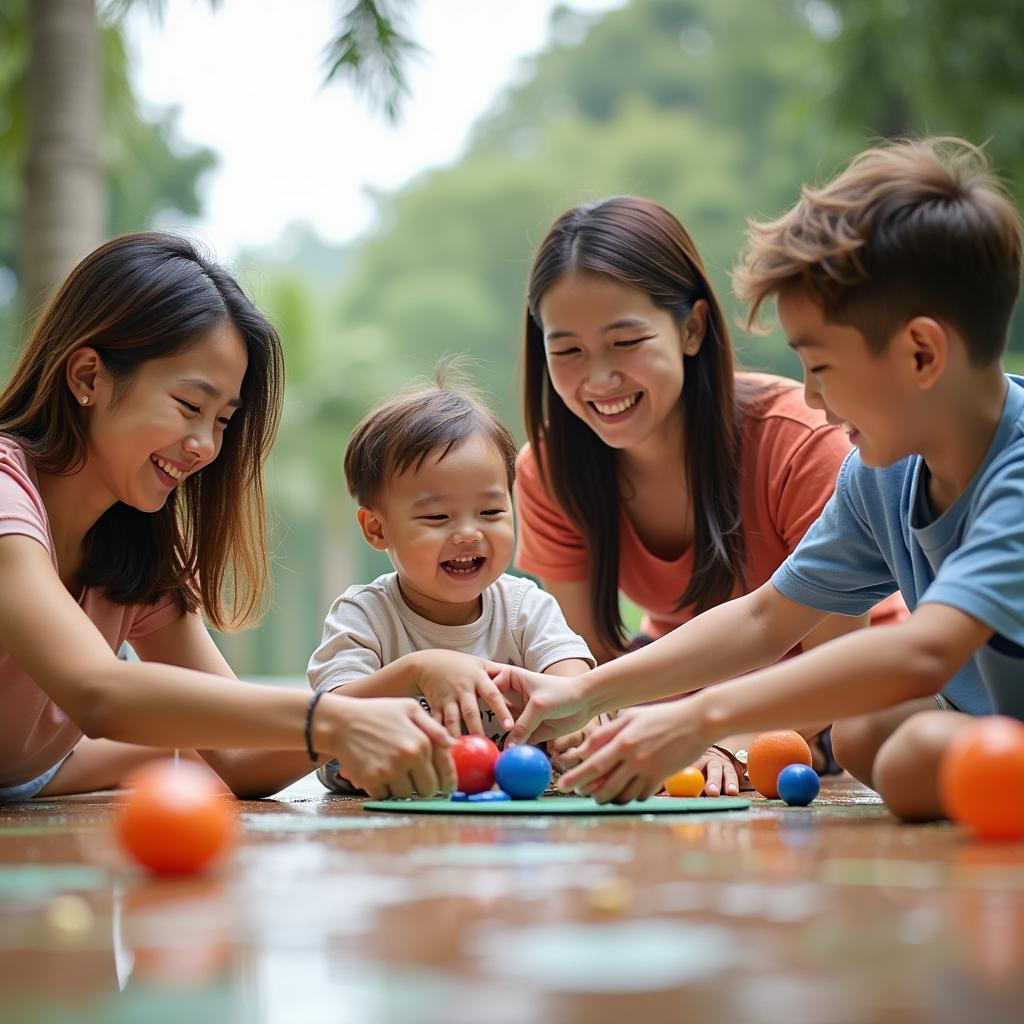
(770, 753)
(688, 782)
(176, 819)
(981, 778)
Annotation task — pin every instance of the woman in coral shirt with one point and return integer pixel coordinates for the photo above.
(653, 468)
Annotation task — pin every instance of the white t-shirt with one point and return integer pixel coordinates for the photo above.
(370, 626)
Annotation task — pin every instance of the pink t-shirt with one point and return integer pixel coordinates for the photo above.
(789, 459)
(34, 732)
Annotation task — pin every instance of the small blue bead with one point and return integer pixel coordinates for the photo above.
(488, 797)
(458, 796)
(798, 785)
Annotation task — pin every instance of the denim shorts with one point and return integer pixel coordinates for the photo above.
(27, 790)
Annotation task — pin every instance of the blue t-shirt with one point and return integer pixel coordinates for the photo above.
(877, 534)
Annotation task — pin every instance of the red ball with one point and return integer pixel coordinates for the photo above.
(474, 758)
(982, 777)
(177, 818)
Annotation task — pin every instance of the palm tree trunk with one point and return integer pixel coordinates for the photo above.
(65, 210)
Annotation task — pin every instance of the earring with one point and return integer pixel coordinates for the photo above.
(85, 399)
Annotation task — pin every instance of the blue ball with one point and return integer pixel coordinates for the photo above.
(798, 785)
(523, 772)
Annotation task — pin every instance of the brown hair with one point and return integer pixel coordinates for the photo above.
(404, 430)
(639, 244)
(140, 297)
(909, 228)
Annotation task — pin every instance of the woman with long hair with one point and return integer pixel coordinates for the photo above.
(655, 469)
(133, 435)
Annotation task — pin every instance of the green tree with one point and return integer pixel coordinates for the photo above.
(942, 67)
(57, 76)
(144, 171)
(63, 199)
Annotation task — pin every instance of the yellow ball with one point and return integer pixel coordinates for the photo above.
(688, 782)
(69, 918)
(611, 897)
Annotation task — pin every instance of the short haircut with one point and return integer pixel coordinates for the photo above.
(909, 228)
(404, 430)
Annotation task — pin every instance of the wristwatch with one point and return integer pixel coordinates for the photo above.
(738, 758)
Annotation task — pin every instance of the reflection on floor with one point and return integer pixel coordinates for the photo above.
(325, 912)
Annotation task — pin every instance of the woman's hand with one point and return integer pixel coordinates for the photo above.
(631, 756)
(389, 746)
(552, 705)
(563, 748)
(454, 685)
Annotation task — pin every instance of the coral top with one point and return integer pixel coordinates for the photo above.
(789, 458)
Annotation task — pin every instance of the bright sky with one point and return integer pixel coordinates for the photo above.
(248, 78)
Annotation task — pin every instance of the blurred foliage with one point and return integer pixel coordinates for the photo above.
(938, 66)
(372, 49)
(149, 171)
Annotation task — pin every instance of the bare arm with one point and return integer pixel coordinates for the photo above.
(249, 773)
(832, 627)
(569, 667)
(452, 683)
(835, 626)
(170, 706)
(574, 600)
(865, 671)
(559, 746)
(378, 685)
(729, 640)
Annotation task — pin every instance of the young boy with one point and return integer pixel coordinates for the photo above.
(895, 284)
(432, 471)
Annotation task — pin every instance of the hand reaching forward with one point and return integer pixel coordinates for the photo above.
(720, 773)
(563, 749)
(552, 705)
(454, 685)
(631, 756)
(389, 746)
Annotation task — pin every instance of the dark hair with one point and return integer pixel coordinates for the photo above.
(639, 244)
(404, 430)
(910, 228)
(140, 297)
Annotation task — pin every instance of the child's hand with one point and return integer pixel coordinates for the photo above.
(390, 747)
(630, 757)
(552, 705)
(563, 748)
(721, 773)
(454, 685)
